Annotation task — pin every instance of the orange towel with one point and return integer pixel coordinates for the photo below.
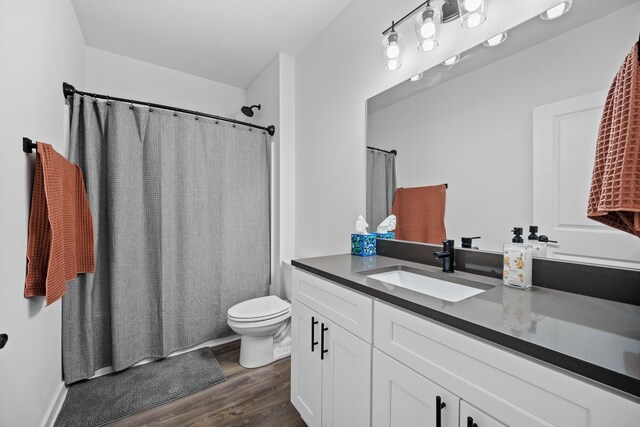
(60, 226)
(614, 198)
(420, 213)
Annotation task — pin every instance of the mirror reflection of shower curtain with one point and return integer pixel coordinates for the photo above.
(181, 223)
(381, 186)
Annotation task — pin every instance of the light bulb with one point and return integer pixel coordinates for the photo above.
(393, 64)
(427, 45)
(472, 12)
(393, 51)
(496, 40)
(556, 11)
(427, 27)
(416, 77)
(474, 19)
(471, 5)
(451, 61)
(428, 30)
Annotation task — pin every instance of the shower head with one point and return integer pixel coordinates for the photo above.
(248, 111)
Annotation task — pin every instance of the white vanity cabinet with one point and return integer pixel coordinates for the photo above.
(360, 362)
(470, 416)
(331, 353)
(495, 386)
(402, 397)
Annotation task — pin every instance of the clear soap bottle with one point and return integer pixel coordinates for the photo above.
(518, 262)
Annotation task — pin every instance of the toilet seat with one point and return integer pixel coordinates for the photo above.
(259, 309)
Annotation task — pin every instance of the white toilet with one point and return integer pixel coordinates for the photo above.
(264, 326)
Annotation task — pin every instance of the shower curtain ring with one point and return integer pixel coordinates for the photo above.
(234, 122)
(131, 105)
(197, 115)
(95, 98)
(108, 100)
(175, 112)
(149, 105)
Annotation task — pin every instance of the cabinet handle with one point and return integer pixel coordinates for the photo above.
(470, 422)
(314, 343)
(323, 350)
(439, 405)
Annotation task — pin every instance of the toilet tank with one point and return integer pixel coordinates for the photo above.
(287, 279)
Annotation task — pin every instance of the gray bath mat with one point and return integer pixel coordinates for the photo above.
(105, 399)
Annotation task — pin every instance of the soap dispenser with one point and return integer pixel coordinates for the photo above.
(538, 247)
(517, 262)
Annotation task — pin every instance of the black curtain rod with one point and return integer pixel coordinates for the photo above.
(394, 152)
(69, 90)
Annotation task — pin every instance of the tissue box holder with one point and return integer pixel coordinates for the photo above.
(363, 244)
(387, 235)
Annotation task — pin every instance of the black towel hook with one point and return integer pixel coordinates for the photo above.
(28, 145)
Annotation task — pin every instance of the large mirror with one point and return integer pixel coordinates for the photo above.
(512, 130)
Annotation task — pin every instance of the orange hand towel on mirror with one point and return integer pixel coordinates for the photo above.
(420, 213)
(60, 241)
(614, 198)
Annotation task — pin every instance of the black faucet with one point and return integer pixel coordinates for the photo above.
(446, 255)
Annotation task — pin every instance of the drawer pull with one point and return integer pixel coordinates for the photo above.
(314, 343)
(470, 422)
(323, 350)
(439, 405)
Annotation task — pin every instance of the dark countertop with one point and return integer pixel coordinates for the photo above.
(591, 337)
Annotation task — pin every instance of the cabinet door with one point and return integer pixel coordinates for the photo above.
(404, 398)
(470, 416)
(306, 366)
(346, 377)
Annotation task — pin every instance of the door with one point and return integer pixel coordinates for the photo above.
(470, 416)
(564, 141)
(306, 366)
(346, 377)
(404, 398)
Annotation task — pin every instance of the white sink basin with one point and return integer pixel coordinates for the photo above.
(437, 288)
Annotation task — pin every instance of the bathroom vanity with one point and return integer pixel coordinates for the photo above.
(368, 352)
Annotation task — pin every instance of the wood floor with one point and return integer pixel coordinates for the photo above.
(249, 397)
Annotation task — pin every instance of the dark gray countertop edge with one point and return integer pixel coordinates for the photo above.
(588, 370)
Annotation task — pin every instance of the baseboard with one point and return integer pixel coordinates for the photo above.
(55, 406)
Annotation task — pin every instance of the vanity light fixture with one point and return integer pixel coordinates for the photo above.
(557, 10)
(451, 61)
(391, 49)
(472, 12)
(427, 25)
(496, 40)
(416, 77)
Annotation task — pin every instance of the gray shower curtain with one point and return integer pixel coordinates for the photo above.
(381, 186)
(181, 224)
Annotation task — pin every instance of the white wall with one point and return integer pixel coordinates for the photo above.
(273, 89)
(489, 154)
(111, 74)
(335, 75)
(40, 46)
(265, 91)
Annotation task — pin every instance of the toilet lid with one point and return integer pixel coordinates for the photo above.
(262, 308)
